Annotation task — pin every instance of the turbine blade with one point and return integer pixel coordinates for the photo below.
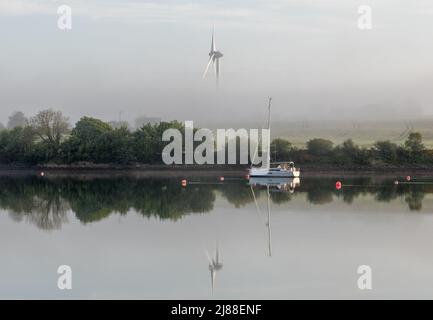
(207, 66)
(208, 257)
(213, 46)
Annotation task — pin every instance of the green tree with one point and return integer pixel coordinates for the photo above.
(50, 126)
(345, 153)
(114, 146)
(319, 147)
(281, 150)
(413, 149)
(88, 128)
(17, 119)
(386, 151)
(349, 153)
(83, 143)
(414, 143)
(148, 144)
(17, 145)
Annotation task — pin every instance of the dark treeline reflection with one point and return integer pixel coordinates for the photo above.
(46, 201)
(321, 191)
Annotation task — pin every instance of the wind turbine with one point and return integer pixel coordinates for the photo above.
(214, 57)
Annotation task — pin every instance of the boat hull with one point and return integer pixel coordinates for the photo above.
(274, 181)
(269, 173)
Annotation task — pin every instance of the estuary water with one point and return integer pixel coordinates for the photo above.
(139, 237)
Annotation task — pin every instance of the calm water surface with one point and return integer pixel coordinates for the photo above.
(131, 237)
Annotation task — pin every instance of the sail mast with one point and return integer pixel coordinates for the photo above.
(268, 151)
(269, 223)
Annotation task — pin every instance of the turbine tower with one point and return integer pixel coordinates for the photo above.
(214, 57)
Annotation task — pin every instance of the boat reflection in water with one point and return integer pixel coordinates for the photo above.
(275, 183)
(215, 265)
(272, 185)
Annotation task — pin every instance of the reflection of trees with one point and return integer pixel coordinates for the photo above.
(319, 196)
(414, 198)
(93, 200)
(46, 201)
(48, 214)
(280, 197)
(238, 194)
(46, 208)
(166, 199)
(386, 194)
(163, 198)
(360, 188)
(320, 191)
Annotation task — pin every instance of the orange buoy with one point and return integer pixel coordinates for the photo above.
(338, 185)
(221, 178)
(184, 183)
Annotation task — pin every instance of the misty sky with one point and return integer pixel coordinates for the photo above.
(147, 58)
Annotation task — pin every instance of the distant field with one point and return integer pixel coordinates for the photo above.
(363, 133)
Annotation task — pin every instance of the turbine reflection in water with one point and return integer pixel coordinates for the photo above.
(215, 265)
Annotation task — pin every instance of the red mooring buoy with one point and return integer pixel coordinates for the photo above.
(338, 185)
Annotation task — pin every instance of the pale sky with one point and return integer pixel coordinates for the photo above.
(147, 58)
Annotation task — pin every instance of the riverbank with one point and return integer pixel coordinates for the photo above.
(206, 170)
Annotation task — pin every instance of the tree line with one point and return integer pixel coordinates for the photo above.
(48, 137)
(322, 151)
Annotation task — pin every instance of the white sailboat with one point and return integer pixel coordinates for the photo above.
(276, 169)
